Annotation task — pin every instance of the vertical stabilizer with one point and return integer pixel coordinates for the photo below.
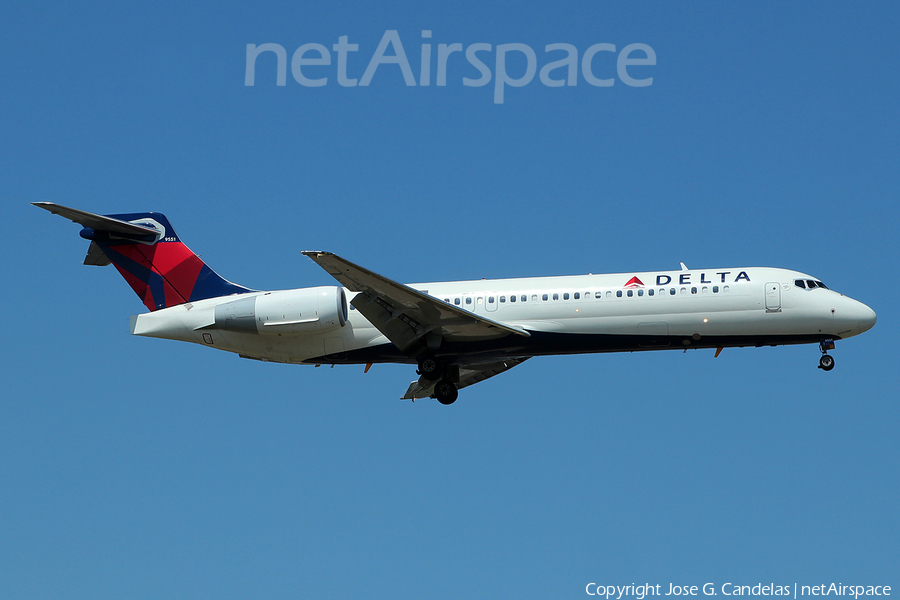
(145, 249)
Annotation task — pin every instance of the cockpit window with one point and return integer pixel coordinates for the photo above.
(810, 284)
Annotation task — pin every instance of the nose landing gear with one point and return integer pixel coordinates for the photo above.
(826, 363)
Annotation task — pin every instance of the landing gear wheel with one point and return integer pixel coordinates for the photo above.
(445, 392)
(430, 368)
(826, 363)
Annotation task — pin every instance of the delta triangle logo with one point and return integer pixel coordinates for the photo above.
(634, 282)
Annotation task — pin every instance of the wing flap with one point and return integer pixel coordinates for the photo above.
(472, 374)
(422, 388)
(468, 375)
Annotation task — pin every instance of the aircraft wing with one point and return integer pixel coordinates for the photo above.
(407, 317)
(468, 375)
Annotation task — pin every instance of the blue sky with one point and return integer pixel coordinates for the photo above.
(140, 468)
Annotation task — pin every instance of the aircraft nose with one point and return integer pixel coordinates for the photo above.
(867, 318)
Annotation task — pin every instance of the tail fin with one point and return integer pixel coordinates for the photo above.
(145, 249)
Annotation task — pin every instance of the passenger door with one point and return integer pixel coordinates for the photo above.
(773, 297)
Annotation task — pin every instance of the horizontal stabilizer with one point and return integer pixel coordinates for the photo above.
(98, 222)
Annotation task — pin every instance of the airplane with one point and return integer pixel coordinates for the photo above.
(462, 332)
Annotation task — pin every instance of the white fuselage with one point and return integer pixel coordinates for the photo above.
(569, 314)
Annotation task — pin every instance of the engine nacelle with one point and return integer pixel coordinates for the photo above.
(306, 310)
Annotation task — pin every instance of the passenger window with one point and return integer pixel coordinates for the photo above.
(577, 296)
(630, 293)
(640, 292)
(556, 296)
(566, 296)
(725, 289)
(502, 299)
(662, 291)
(705, 290)
(598, 295)
(545, 297)
(619, 294)
(479, 300)
(715, 289)
(511, 299)
(671, 291)
(799, 283)
(608, 294)
(490, 299)
(525, 298)
(456, 301)
(468, 300)
(447, 300)
(683, 291)
(534, 298)
(650, 292)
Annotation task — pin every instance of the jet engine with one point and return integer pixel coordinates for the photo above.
(305, 310)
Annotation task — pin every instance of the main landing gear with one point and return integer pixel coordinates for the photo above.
(432, 369)
(826, 363)
(445, 391)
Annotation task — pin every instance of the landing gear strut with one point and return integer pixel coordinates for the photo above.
(826, 363)
(445, 391)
